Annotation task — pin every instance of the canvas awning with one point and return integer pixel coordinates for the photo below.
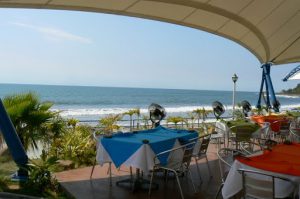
(268, 28)
(295, 77)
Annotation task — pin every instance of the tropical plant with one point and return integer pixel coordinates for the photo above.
(40, 178)
(176, 120)
(3, 183)
(109, 123)
(138, 114)
(132, 112)
(54, 130)
(76, 146)
(145, 119)
(192, 117)
(260, 111)
(72, 122)
(28, 115)
(201, 114)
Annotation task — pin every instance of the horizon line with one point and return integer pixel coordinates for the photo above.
(125, 87)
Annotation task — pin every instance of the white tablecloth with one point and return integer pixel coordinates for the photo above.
(143, 158)
(234, 182)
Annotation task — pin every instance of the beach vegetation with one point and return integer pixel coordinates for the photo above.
(292, 91)
(29, 115)
(237, 113)
(76, 146)
(131, 113)
(145, 119)
(40, 178)
(108, 124)
(201, 114)
(260, 111)
(192, 118)
(175, 120)
(72, 122)
(3, 183)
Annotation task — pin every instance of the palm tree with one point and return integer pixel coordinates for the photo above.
(132, 112)
(198, 113)
(138, 114)
(28, 115)
(109, 123)
(192, 116)
(146, 119)
(201, 114)
(73, 123)
(175, 120)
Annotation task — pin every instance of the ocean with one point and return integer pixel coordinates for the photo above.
(91, 103)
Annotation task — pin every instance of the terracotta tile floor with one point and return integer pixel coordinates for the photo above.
(78, 183)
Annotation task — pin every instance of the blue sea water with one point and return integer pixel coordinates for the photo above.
(91, 103)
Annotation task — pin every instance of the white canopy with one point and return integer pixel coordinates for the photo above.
(268, 28)
(295, 76)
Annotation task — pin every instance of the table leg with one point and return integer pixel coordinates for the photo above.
(137, 183)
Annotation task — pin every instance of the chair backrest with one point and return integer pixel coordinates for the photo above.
(259, 185)
(284, 125)
(265, 130)
(243, 133)
(204, 144)
(226, 158)
(221, 128)
(201, 144)
(250, 147)
(177, 157)
(295, 135)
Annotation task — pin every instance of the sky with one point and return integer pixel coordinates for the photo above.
(94, 49)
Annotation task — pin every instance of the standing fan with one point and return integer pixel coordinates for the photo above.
(246, 107)
(157, 113)
(218, 109)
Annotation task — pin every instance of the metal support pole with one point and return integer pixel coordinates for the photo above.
(233, 97)
(234, 79)
(266, 79)
(13, 143)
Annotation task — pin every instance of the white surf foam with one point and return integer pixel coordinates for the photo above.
(288, 96)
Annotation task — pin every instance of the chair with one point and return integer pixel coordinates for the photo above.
(226, 157)
(249, 147)
(96, 138)
(260, 185)
(263, 132)
(243, 133)
(178, 162)
(219, 134)
(295, 135)
(200, 151)
(284, 129)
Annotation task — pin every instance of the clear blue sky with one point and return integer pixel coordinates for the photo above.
(79, 48)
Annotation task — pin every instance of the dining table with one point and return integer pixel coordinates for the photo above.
(283, 161)
(139, 148)
(273, 120)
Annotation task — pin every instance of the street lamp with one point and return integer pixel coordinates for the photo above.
(234, 79)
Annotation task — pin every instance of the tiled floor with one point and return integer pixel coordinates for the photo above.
(78, 183)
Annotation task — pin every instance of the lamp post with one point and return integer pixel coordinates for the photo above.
(234, 79)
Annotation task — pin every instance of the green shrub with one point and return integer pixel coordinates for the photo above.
(3, 183)
(40, 178)
(75, 145)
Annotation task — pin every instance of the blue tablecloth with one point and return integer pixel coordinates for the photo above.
(122, 145)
